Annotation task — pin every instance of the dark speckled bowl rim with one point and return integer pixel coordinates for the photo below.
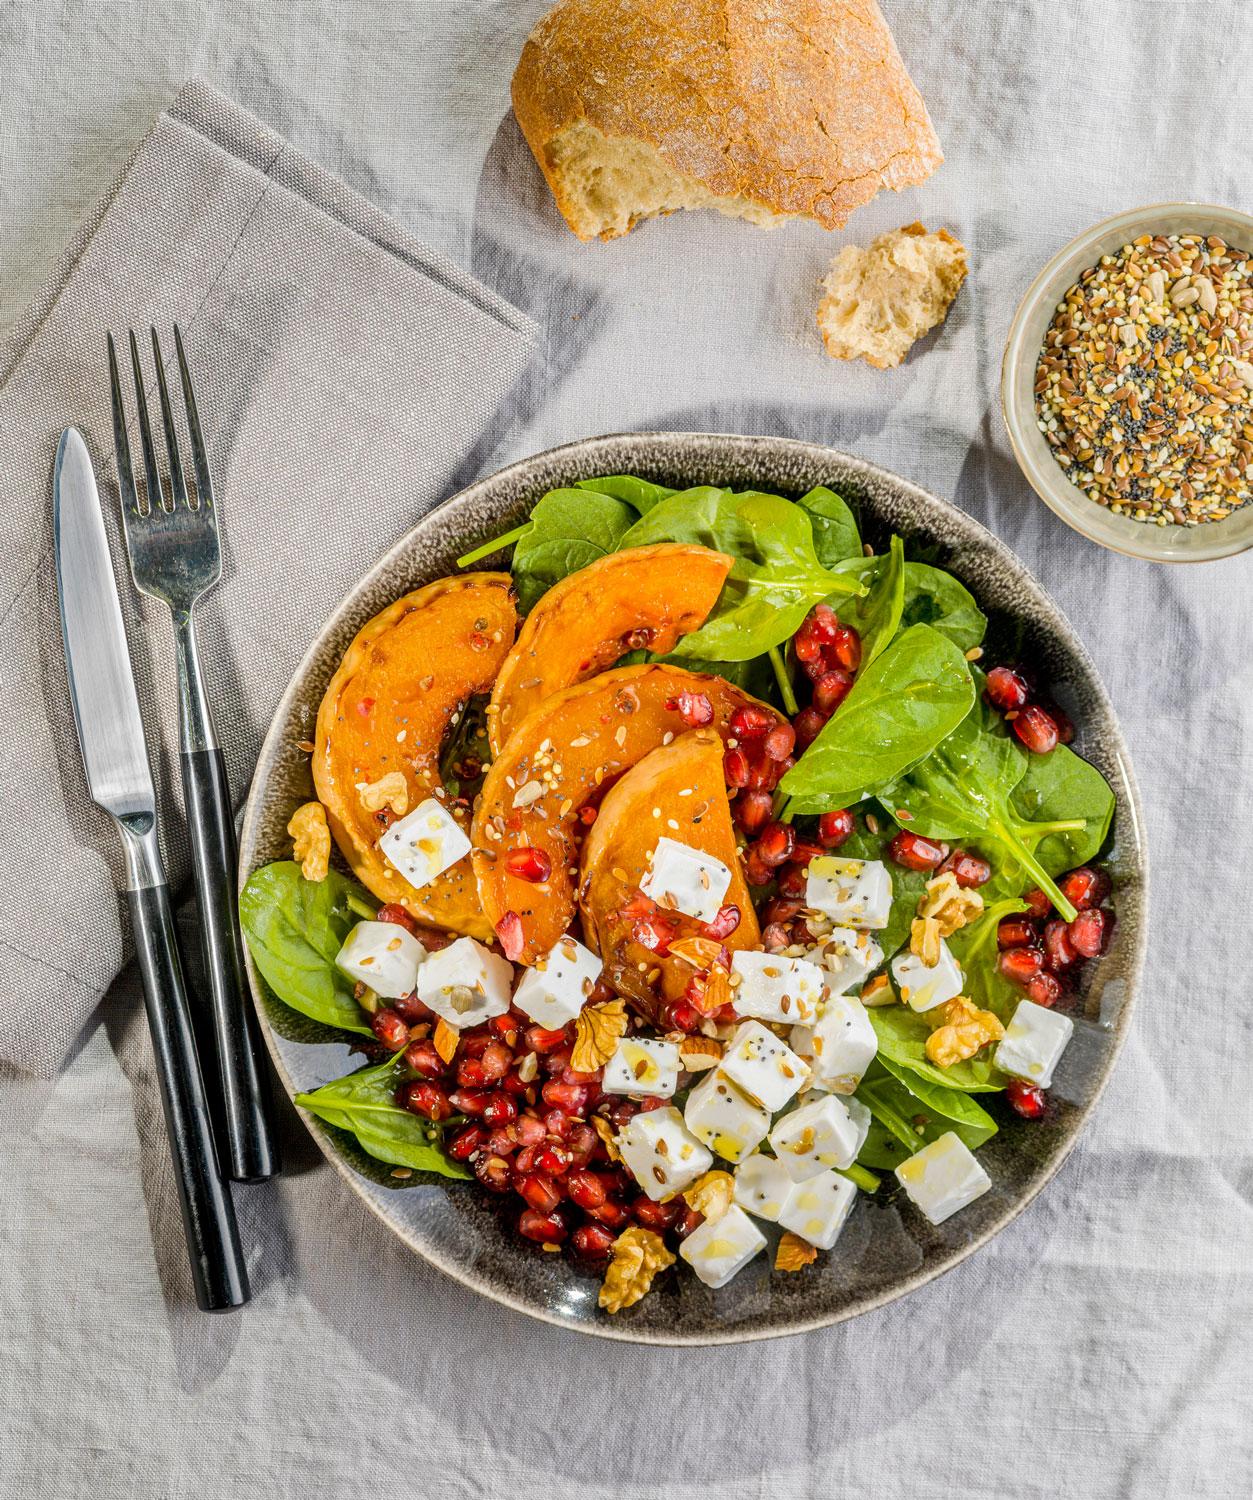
(607, 454)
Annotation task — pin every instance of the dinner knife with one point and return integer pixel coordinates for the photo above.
(119, 777)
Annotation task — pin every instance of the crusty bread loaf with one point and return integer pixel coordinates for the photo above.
(763, 109)
(881, 299)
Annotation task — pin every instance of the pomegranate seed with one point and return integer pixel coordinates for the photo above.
(803, 850)
(494, 1062)
(775, 938)
(540, 1039)
(777, 910)
(547, 1228)
(736, 767)
(426, 1099)
(723, 924)
(620, 1111)
(750, 722)
(831, 689)
(470, 1101)
(808, 725)
(969, 870)
(1016, 932)
(515, 1085)
(526, 1160)
(780, 742)
(1006, 689)
(807, 646)
(592, 1241)
(529, 1130)
(1020, 964)
(569, 1097)
(1026, 1098)
(834, 828)
(552, 1161)
(364, 706)
(502, 1141)
(1038, 904)
(762, 774)
(610, 1213)
(792, 881)
(493, 1172)
(557, 1124)
(775, 845)
(474, 1043)
(915, 852)
(470, 1073)
(538, 1193)
(1084, 887)
(500, 1109)
(651, 1102)
(529, 863)
(655, 1216)
(1089, 933)
(1036, 728)
(824, 624)
(389, 1027)
(587, 815)
(688, 1220)
(392, 911)
(694, 709)
(752, 810)
(1058, 948)
(1044, 989)
(586, 1189)
(844, 648)
(756, 870)
(411, 1010)
(655, 933)
(462, 1145)
(582, 1143)
(509, 932)
(681, 1015)
(423, 1058)
(556, 1063)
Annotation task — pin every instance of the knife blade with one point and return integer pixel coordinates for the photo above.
(119, 777)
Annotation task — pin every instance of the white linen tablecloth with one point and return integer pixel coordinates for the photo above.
(1101, 1346)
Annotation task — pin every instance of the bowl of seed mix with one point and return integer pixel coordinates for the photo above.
(1127, 383)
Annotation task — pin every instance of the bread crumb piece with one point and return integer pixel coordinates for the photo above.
(879, 301)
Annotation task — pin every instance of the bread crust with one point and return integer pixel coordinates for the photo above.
(802, 107)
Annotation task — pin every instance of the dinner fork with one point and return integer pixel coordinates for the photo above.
(175, 556)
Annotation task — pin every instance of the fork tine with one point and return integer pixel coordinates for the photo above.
(204, 485)
(152, 475)
(121, 444)
(178, 487)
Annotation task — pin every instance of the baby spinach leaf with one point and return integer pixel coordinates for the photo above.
(547, 563)
(364, 1104)
(975, 949)
(876, 616)
(1062, 785)
(903, 1036)
(908, 1113)
(834, 526)
(932, 597)
(294, 928)
(569, 529)
(950, 1107)
(900, 708)
(776, 578)
(639, 493)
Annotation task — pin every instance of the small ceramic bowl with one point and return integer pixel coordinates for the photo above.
(1172, 543)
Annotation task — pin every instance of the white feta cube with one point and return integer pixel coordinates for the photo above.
(816, 1136)
(852, 892)
(774, 988)
(721, 1247)
(849, 958)
(641, 1066)
(818, 1207)
(1034, 1040)
(661, 1153)
(384, 956)
(762, 1186)
(923, 987)
(840, 1045)
(943, 1177)
(424, 843)
(686, 879)
(466, 983)
(556, 989)
(728, 1121)
(765, 1068)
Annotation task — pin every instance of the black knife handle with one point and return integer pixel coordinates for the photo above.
(249, 1147)
(217, 1260)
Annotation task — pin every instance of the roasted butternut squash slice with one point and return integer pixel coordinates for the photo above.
(643, 598)
(562, 757)
(685, 780)
(405, 676)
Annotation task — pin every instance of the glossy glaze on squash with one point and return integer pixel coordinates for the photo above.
(645, 598)
(408, 672)
(563, 756)
(685, 780)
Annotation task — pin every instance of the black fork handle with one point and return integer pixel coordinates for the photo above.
(249, 1146)
(217, 1260)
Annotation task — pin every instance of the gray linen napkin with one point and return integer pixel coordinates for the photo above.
(344, 375)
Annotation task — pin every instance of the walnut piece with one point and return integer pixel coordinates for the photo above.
(711, 1194)
(596, 1034)
(388, 791)
(949, 904)
(924, 940)
(794, 1253)
(311, 840)
(638, 1255)
(963, 1029)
